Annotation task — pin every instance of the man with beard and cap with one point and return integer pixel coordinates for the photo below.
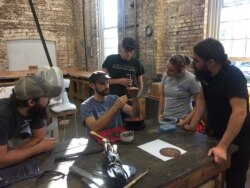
(102, 111)
(22, 120)
(224, 97)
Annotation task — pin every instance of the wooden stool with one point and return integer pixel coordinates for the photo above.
(53, 127)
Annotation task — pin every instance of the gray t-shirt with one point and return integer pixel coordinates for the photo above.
(91, 107)
(178, 94)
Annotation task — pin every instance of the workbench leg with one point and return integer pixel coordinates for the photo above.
(219, 180)
(52, 129)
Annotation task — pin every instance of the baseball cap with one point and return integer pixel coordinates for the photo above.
(35, 86)
(129, 43)
(98, 76)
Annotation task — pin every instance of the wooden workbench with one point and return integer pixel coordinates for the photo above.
(191, 169)
(79, 85)
(72, 71)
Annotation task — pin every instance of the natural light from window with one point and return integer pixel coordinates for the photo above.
(110, 31)
(235, 27)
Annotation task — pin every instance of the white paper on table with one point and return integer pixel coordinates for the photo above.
(155, 146)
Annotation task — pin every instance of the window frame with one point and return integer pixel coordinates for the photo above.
(102, 30)
(213, 24)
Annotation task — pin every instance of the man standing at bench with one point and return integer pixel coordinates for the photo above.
(224, 98)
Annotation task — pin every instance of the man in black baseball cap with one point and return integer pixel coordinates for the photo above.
(22, 120)
(125, 70)
(98, 76)
(129, 43)
(102, 111)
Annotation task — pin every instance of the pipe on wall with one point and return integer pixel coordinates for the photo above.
(84, 36)
(135, 19)
(124, 20)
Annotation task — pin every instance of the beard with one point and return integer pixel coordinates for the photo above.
(202, 74)
(105, 92)
(38, 111)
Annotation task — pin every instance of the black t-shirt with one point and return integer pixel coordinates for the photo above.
(118, 68)
(229, 82)
(12, 122)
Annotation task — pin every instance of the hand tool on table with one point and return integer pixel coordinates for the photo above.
(136, 179)
(97, 135)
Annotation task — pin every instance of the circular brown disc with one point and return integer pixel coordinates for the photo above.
(170, 152)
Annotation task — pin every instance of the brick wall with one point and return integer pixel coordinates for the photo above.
(61, 21)
(177, 25)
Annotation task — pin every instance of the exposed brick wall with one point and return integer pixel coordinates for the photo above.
(177, 26)
(61, 21)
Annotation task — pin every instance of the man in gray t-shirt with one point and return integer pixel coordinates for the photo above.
(97, 109)
(102, 111)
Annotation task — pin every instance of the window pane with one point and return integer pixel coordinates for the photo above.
(227, 46)
(235, 2)
(239, 29)
(238, 48)
(235, 26)
(235, 13)
(248, 29)
(226, 30)
(110, 13)
(110, 41)
(248, 48)
(225, 2)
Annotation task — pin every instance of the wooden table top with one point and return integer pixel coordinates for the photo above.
(188, 170)
(73, 71)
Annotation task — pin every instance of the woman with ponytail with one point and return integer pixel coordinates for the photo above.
(178, 89)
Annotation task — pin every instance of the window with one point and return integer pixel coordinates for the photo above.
(234, 30)
(229, 21)
(108, 19)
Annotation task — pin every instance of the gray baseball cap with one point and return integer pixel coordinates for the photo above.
(35, 86)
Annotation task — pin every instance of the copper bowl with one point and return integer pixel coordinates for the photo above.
(134, 123)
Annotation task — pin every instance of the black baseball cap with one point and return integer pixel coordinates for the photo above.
(129, 43)
(98, 76)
